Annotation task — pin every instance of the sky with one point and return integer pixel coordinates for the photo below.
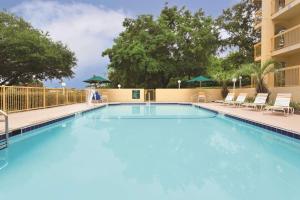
(88, 27)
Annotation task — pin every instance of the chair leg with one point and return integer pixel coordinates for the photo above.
(292, 110)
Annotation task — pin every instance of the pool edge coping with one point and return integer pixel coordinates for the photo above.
(276, 129)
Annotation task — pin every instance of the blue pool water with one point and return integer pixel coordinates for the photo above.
(161, 152)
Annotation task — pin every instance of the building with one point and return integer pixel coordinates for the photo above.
(278, 21)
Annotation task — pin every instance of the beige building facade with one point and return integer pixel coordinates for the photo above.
(278, 21)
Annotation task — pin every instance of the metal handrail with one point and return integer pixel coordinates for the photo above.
(258, 17)
(287, 76)
(277, 7)
(6, 125)
(286, 38)
(3, 113)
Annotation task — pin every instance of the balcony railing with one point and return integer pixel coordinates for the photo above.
(280, 4)
(288, 76)
(257, 51)
(287, 38)
(258, 17)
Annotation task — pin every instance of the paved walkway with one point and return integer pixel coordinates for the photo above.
(23, 119)
(277, 119)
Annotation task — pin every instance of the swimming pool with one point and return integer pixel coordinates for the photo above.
(146, 152)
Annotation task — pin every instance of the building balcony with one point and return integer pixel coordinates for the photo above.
(258, 19)
(285, 9)
(288, 76)
(257, 52)
(286, 42)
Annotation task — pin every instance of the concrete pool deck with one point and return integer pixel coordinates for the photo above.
(27, 118)
(276, 119)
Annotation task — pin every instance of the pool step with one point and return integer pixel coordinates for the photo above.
(3, 143)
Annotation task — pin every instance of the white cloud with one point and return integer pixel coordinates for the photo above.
(86, 28)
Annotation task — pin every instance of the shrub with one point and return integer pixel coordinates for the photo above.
(250, 99)
(295, 105)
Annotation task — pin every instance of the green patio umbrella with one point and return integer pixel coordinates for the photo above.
(96, 79)
(199, 79)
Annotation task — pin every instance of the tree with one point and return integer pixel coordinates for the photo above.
(28, 54)
(260, 72)
(221, 71)
(152, 52)
(237, 22)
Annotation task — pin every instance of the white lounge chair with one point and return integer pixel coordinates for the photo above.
(229, 98)
(282, 103)
(201, 96)
(259, 102)
(240, 99)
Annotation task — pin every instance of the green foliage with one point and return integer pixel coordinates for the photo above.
(250, 99)
(237, 22)
(29, 55)
(151, 53)
(295, 105)
(221, 70)
(259, 72)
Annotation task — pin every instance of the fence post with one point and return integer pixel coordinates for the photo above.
(4, 99)
(57, 97)
(27, 98)
(44, 97)
(299, 75)
(66, 95)
(1, 97)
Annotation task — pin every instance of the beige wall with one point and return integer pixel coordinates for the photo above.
(212, 94)
(175, 95)
(122, 95)
(293, 22)
(290, 60)
(163, 95)
(190, 95)
(294, 90)
(267, 31)
(250, 91)
(186, 95)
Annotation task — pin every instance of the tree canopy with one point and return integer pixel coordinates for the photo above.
(156, 52)
(237, 23)
(28, 54)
